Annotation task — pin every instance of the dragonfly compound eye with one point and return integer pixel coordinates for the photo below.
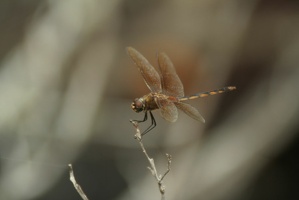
(137, 105)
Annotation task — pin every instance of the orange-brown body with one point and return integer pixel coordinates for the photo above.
(150, 100)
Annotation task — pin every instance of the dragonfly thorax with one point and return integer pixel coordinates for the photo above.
(138, 105)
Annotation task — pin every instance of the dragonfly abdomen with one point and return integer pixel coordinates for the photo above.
(209, 93)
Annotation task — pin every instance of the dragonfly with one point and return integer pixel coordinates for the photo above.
(166, 91)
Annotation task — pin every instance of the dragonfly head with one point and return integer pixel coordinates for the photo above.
(137, 105)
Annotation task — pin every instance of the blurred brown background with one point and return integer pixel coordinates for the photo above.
(66, 85)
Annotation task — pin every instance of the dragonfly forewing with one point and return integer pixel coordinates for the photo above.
(148, 72)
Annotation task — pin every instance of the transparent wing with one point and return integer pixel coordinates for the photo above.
(148, 72)
(171, 83)
(167, 109)
(190, 111)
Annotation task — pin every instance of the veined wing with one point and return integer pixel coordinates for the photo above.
(148, 72)
(190, 111)
(167, 109)
(171, 83)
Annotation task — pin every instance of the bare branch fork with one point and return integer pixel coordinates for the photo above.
(152, 167)
(159, 178)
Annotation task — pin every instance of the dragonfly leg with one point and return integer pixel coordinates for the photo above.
(144, 119)
(153, 124)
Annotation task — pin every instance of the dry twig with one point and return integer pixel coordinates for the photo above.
(76, 185)
(152, 167)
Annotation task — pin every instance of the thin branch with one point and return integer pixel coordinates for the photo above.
(76, 185)
(152, 166)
